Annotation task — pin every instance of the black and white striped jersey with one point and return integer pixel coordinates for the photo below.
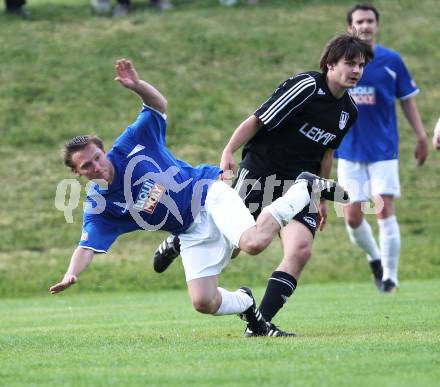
(301, 120)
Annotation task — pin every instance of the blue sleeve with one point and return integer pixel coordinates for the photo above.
(149, 127)
(406, 87)
(98, 233)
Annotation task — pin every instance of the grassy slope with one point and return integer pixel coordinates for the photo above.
(215, 65)
(349, 335)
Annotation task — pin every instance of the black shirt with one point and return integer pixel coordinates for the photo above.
(301, 120)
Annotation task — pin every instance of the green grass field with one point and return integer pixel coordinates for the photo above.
(349, 335)
(215, 65)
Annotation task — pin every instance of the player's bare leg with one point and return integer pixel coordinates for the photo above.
(207, 297)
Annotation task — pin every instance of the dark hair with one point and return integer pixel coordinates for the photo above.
(363, 7)
(79, 143)
(346, 46)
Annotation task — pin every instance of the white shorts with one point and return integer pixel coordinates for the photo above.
(366, 180)
(206, 247)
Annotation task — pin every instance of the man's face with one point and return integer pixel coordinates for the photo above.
(346, 73)
(365, 24)
(92, 163)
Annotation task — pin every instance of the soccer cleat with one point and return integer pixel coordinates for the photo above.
(277, 332)
(273, 331)
(252, 315)
(320, 187)
(376, 269)
(166, 253)
(388, 286)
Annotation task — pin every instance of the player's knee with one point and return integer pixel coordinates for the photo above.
(353, 215)
(386, 212)
(254, 246)
(353, 221)
(203, 304)
(303, 252)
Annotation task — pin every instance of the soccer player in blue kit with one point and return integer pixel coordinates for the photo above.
(139, 185)
(368, 155)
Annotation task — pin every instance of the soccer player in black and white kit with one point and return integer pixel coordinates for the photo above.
(295, 130)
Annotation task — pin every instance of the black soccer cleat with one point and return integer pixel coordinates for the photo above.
(319, 187)
(273, 331)
(388, 286)
(277, 332)
(252, 315)
(377, 271)
(166, 253)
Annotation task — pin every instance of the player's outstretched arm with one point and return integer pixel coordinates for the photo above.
(80, 260)
(128, 77)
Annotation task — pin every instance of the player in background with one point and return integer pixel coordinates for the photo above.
(139, 185)
(296, 129)
(368, 155)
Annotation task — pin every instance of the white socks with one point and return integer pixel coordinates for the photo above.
(291, 203)
(389, 236)
(233, 302)
(363, 237)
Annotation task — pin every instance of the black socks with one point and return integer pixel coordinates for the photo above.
(280, 287)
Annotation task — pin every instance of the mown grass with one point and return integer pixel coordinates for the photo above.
(349, 334)
(215, 65)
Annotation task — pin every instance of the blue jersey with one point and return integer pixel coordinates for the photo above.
(374, 135)
(151, 189)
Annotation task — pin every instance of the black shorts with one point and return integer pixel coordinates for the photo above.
(259, 191)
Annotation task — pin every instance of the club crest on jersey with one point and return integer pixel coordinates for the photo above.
(343, 120)
(148, 196)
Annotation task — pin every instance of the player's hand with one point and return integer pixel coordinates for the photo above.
(68, 280)
(421, 151)
(436, 140)
(229, 166)
(126, 74)
(322, 215)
